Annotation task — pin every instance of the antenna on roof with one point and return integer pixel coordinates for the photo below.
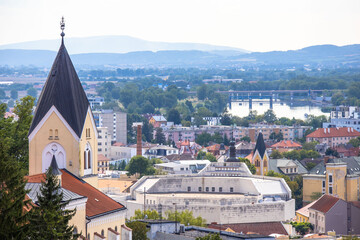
(62, 27)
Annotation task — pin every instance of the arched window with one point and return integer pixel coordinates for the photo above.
(88, 236)
(87, 159)
(265, 163)
(257, 163)
(50, 134)
(102, 232)
(115, 228)
(56, 134)
(75, 230)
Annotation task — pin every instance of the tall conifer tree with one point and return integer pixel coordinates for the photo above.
(50, 220)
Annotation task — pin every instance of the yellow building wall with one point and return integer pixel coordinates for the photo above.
(92, 140)
(311, 185)
(352, 192)
(79, 220)
(339, 180)
(301, 218)
(41, 140)
(266, 166)
(105, 224)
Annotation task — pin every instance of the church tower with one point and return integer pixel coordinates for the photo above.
(63, 124)
(260, 156)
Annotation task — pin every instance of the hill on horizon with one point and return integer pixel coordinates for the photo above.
(117, 44)
(314, 56)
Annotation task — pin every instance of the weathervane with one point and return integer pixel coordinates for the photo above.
(62, 27)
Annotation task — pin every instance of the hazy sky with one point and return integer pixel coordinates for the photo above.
(255, 25)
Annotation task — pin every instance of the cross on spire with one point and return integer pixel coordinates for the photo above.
(62, 27)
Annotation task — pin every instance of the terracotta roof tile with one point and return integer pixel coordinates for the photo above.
(333, 132)
(325, 203)
(262, 228)
(286, 144)
(101, 157)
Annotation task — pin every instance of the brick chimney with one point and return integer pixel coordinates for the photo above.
(139, 141)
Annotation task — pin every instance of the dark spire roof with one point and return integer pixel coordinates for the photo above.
(63, 90)
(54, 167)
(260, 145)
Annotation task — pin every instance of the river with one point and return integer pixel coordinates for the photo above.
(280, 108)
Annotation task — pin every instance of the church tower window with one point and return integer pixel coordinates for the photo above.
(50, 134)
(87, 159)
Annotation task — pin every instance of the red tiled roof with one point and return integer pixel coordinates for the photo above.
(305, 210)
(97, 203)
(118, 144)
(333, 132)
(101, 157)
(263, 228)
(286, 144)
(325, 203)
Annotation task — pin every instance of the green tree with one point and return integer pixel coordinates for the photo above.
(14, 94)
(245, 139)
(202, 92)
(139, 230)
(315, 195)
(50, 220)
(148, 108)
(276, 154)
(302, 227)
(140, 165)
(276, 136)
(269, 116)
(331, 152)
(13, 220)
(174, 116)
(310, 145)
(20, 143)
(226, 119)
(32, 92)
(251, 167)
(185, 217)
(159, 136)
(122, 165)
(310, 165)
(200, 155)
(210, 157)
(355, 142)
(203, 139)
(148, 214)
(147, 130)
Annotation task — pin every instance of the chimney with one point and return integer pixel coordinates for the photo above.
(139, 141)
(326, 159)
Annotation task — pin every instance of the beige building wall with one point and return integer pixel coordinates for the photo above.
(43, 137)
(353, 188)
(104, 141)
(79, 219)
(312, 184)
(99, 224)
(337, 174)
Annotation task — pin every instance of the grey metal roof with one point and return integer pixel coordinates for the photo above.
(35, 190)
(63, 90)
(276, 164)
(352, 163)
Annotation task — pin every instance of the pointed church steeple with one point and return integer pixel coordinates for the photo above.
(260, 145)
(54, 167)
(63, 90)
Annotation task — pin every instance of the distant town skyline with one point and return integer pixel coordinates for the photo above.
(254, 25)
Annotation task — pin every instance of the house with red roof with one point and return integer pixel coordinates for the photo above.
(330, 213)
(333, 136)
(286, 145)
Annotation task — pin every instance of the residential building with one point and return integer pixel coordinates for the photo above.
(104, 141)
(287, 167)
(337, 177)
(286, 145)
(121, 152)
(216, 199)
(262, 228)
(160, 151)
(103, 164)
(157, 121)
(96, 102)
(212, 121)
(302, 214)
(217, 149)
(115, 122)
(63, 135)
(342, 116)
(333, 137)
(180, 133)
(331, 213)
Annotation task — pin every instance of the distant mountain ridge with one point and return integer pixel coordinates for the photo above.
(115, 44)
(315, 56)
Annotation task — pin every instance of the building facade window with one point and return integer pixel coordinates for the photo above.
(199, 189)
(220, 189)
(213, 189)
(189, 189)
(207, 189)
(87, 159)
(231, 189)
